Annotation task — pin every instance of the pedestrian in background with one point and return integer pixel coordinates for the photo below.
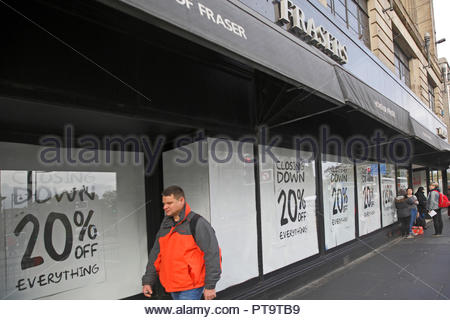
(403, 212)
(422, 207)
(433, 204)
(412, 201)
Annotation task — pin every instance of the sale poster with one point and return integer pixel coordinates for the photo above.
(53, 230)
(288, 210)
(338, 202)
(292, 201)
(388, 211)
(368, 198)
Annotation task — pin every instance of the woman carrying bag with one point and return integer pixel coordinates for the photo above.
(422, 207)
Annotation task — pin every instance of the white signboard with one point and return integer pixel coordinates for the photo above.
(54, 230)
(288, 208)
(368, 198)
(338, 202)
(389, 213)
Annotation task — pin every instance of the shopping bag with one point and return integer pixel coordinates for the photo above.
(417, 230)
(432, 213)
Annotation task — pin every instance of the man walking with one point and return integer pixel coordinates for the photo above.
(433, 204)
(186, 255)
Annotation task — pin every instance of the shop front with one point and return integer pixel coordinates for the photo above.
(284, 145)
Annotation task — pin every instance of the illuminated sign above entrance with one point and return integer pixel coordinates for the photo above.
(292, 16)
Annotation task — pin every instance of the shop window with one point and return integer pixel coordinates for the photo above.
(354, 14)
(338, 183)
(219, 183)
(401, 63)
(70, 232)
(288, 208)
(388, 211)
(368, 191)
(402, 179)
(419, 180)
(436, 176)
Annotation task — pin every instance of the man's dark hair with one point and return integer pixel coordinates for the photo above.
(175, 190)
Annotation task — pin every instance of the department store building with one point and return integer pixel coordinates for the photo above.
(291, 125)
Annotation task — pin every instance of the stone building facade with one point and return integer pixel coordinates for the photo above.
(398, 30)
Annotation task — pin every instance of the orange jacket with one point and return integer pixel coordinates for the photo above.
(182, 262)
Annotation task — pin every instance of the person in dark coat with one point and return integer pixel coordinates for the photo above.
(403, 212)
(422, 206)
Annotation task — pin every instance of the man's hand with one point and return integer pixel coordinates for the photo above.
(147, 290)
(209, 294)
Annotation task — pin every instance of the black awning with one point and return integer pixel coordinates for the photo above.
(368, 100)
(425, 135)
(234, 30)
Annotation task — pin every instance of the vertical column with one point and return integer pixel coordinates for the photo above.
(396, 180)
(445, 182)
(356, 201)
(381, 195)
(2, 245)
(258, 206)
(410, 180)
(319, 202)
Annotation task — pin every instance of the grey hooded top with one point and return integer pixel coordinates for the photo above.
(433, 200)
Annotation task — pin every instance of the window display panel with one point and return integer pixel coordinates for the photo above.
(436, 176)
(338, 200)
(440, 180)
(368, 197)
(419, 180)
(389, 213)
(233, 210)
(192, 176)
(219, 182)
(288, 208)
(70, 233)
(402, 179)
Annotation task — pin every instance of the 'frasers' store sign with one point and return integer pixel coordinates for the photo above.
(291, 15)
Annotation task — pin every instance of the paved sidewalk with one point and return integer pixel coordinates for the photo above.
(416, 268)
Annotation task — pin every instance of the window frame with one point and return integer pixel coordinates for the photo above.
(361, 16)
(431, 96)
(403, 60)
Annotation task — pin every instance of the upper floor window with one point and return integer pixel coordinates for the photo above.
(431, 97)
(354, 14)
(401, 62)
